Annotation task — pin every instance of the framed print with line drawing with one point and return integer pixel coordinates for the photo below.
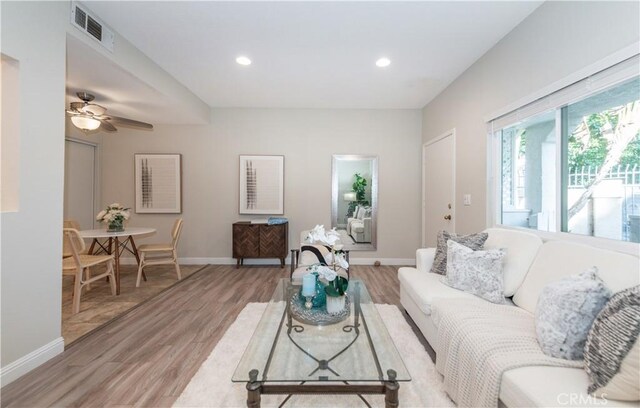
(261, 185)
(158, 183)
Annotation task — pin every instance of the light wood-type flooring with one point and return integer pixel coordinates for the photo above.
(148, 356)
(98, 306)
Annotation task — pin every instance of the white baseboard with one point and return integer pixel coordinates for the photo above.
(24, 364)
(232, 261)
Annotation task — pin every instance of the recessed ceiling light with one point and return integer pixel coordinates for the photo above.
(383, 62)
(243, 60)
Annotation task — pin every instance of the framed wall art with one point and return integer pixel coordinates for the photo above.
(158, 183)
(261, 185)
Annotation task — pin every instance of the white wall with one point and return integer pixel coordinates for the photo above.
(34, 33)
(9, 134)
(556, 40)
(307, 139)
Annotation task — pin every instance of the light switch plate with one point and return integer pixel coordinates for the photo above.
(467, 199)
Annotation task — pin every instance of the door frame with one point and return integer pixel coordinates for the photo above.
(449, 133)
(96, 173)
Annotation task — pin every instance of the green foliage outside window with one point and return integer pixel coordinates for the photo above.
(588, 145)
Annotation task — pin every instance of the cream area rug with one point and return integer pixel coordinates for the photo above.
(211, 386)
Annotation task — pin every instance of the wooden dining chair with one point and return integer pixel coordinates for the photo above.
(78, 265)
(66, 244)
(161, 254)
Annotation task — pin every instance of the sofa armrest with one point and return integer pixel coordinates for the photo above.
(424, 259)
(367, 229)
(349, 221)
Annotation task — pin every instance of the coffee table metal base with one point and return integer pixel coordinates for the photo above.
(255, 389)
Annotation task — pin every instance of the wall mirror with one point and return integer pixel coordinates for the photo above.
(354, 200)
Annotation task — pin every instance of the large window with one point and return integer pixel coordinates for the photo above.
(601, 141)
(528, 173)
(575, 168)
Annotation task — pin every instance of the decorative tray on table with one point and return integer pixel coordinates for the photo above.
(317, 316)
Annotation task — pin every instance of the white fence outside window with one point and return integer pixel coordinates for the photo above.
(619, 194)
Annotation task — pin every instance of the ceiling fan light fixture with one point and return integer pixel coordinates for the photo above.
(85, 123)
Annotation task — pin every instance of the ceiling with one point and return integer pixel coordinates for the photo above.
(117, 90)
(313, 54)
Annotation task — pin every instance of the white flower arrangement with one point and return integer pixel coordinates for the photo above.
(323, 272)
(318, 235)
(114, 213)
(336, 258)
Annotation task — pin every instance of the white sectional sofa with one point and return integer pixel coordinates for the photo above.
(529, 265)
(359, 227)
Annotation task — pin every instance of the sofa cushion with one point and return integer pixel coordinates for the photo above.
(539, 386)
(424, 259)
(424, 287)
(556, 259)
(522, 248)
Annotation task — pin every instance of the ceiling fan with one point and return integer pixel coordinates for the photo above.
(88, 116)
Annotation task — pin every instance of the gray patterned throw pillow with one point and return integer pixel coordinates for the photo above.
(611, 355)
(565, 311)
(475, 272)
(472, 241)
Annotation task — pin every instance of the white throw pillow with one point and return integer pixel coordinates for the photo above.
(475, 272)
(312, 254)
(565, 312)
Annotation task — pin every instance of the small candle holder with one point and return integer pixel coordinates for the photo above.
(308, 304)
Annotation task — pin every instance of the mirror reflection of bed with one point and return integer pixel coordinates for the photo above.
(354, 200)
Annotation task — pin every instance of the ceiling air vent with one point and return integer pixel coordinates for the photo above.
(81, 18)
(91, 25)
(94, 28)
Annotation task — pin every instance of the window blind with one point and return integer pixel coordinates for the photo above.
(613, 75)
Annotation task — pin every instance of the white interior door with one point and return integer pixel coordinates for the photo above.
(438, 187)
(79, 182)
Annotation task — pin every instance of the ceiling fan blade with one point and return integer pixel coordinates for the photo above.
(94, 109)
(76, 106)
(107, 126)
(73, 112)
(131, 122)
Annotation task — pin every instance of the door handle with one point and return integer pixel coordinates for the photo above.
(447, 217)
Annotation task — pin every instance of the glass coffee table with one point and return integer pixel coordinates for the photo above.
(355, 356)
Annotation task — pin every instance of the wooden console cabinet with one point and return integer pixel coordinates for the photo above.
(260, 241)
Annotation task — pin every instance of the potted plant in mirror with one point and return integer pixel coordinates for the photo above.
(359, 188)
(114, 216)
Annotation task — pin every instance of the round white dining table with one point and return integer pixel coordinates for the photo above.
(114, 243)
